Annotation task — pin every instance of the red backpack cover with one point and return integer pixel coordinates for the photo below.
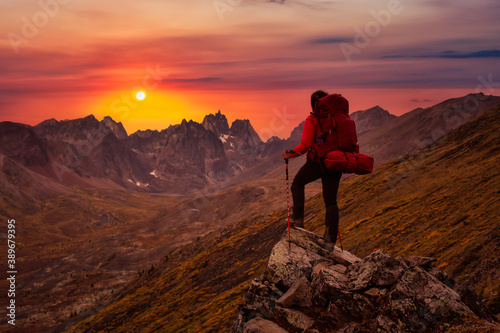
(336, 140)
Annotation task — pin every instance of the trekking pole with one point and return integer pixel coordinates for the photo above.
(288, 201)
(340, 239)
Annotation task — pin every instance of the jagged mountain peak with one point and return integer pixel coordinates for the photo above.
(241, 128)
(48, 122)
(80, 129)
(117, 128)
(187, 125)
(217, 123)
(145, 133)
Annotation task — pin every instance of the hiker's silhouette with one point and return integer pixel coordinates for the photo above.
(312, 170)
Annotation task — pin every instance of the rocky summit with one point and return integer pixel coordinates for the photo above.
(307, 288)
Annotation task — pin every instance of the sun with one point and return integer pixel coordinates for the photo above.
(140, 95)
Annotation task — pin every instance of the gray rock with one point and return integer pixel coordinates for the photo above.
(418, 285)
(293, 320)
(299, 294)
(386, 325)
(349, 308)
(259, 292)
(329, 283)
(260, 325)
(290, 261)
(441, 276)
(377, 269)
(343, 258)
(373, 292)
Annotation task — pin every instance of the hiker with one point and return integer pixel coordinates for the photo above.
(312, 170)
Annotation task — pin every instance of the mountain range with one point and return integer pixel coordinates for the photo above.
(91, 153)
(189, 156)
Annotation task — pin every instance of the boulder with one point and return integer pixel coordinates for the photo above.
(290, 261)
(377, 269)
(293, 320)
(299, 294)
(259, 325)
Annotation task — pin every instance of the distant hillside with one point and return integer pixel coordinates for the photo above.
(418, 128)
(371, 118)
(440, 202)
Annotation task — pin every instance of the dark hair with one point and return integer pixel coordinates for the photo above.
(315, 96)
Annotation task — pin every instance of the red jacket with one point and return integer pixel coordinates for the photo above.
(308, 142)
(308, 139)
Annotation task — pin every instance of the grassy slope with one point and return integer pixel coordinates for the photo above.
(441, 202)
(196, 288)
(70, 249)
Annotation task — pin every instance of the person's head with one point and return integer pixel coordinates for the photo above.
(315, 96)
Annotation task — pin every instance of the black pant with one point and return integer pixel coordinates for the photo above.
(310, 172)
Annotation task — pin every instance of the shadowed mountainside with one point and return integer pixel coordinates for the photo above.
(439, 202)
(418, 128)
(371, 118)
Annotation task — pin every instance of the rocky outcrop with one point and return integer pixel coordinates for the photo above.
(307, 288)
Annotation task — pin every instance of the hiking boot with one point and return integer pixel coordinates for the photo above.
(298, 223)
(330, 236)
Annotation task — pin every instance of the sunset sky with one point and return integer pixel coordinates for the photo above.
(252, 59)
